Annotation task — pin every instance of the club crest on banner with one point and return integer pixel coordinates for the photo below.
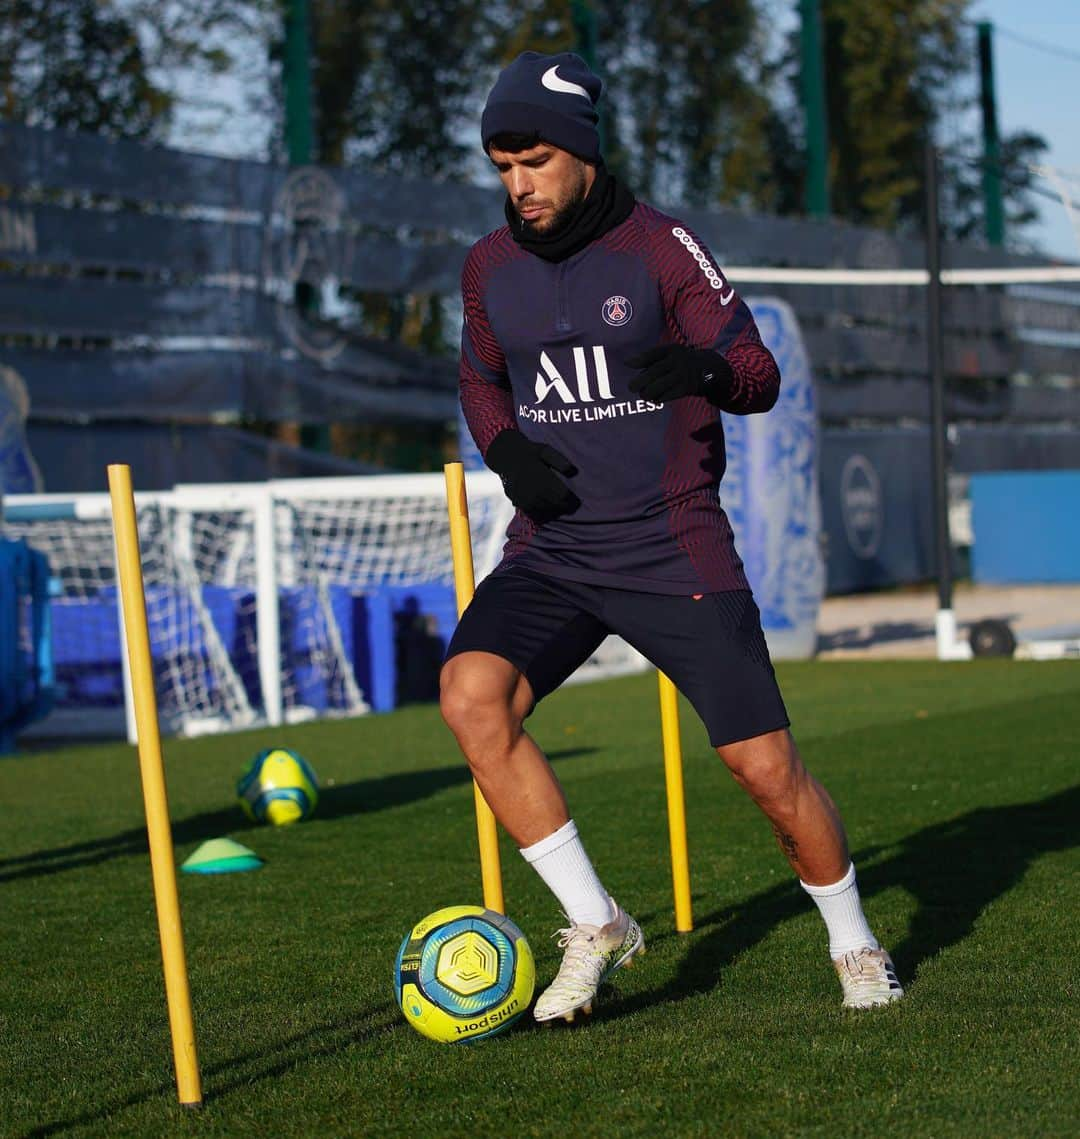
(307, 253)
(863, 506)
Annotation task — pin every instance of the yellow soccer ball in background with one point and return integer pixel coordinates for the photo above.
(278, 787)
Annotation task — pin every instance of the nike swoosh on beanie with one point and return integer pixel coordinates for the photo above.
(553, 96)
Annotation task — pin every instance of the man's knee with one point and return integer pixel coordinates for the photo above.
(768, 767)
(469, 687)
(480, 692)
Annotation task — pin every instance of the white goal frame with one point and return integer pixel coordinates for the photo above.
(401, 538)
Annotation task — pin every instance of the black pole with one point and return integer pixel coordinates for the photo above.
(296, 77)
(993, 202)
(812, 80)
(586, 37)
(936, 354)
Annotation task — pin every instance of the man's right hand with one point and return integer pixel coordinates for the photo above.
(528, 473)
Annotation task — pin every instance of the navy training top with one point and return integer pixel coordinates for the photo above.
(544, 350)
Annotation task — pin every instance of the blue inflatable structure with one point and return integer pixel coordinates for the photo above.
(26, 679)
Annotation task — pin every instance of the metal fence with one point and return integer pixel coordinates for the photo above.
(173, 285)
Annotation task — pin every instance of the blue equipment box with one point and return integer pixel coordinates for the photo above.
(1026, 526)
(26, 659)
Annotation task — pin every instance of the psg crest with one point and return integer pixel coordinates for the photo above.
(617, 311)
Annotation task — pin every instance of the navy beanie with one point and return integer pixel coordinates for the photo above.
(552, 95)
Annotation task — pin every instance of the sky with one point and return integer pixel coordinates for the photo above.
(1037, 73)
(1037, 81)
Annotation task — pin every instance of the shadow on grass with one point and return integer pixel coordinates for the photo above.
(878, 633)
(863, 636)
(241, 1072)
(953, 870)
(360, 797)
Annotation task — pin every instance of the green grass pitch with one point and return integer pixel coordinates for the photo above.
(960, 785)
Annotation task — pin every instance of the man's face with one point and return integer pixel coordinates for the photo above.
(545, 183)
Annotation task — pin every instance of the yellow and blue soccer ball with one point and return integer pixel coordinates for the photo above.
(278, 787)
(464, 973)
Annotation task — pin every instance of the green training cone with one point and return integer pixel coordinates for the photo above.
(221, 856)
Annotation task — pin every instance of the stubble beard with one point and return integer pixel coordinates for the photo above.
(563, 214)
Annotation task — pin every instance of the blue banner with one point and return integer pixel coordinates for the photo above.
(770, 492)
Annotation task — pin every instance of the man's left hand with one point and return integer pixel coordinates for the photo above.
(674, 371)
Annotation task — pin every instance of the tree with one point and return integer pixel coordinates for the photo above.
(397, 85)
(895, 71)
(963, 204)
(77, 64)
(887, 65)
(688, 81)
(113, 66)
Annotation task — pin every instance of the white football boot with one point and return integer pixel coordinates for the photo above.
(591, 955)
(868, 978)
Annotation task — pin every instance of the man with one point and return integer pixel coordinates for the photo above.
(601, 340)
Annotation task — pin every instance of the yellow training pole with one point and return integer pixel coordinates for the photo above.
(676, 803)
(457, 506)
(162, 864)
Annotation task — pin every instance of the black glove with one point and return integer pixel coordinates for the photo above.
(527, 470)
(673, 371)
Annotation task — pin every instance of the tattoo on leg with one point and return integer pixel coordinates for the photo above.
(787, 843)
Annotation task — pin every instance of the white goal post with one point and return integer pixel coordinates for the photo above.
(266, 602)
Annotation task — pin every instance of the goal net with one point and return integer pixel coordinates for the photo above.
(266, 603)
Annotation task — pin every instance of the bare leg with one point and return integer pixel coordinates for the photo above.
(804, 819)
(484, 701)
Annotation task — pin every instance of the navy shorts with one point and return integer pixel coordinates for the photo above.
(712, 648)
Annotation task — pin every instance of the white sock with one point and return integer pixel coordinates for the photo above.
(561, 861)
(841, 908)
